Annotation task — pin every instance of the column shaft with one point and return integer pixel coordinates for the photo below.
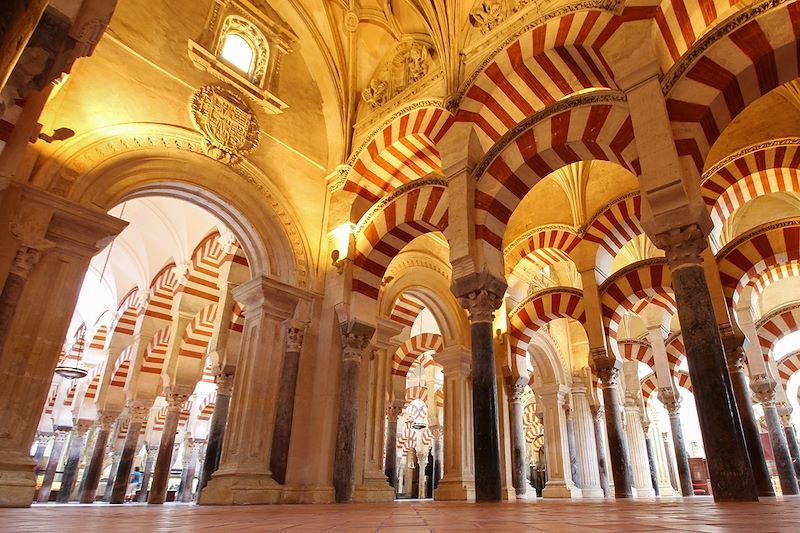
(344, 462)
(390, 462)
(640, 465)
(486, 441)
(216, 432)
(123, 477)
(141, 497)
(791, 439)
(160, 484)
(71, 465)
(648, 442)
(617, 441)
(95, 468)
(52, 465)
(285, 406)
(599, 440)
(780, 449)
(517, 440)
(681, 456)
(586, 445)
(112, 474)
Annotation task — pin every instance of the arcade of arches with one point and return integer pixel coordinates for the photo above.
(273, 251)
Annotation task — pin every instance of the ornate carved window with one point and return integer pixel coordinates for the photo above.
(238, 52)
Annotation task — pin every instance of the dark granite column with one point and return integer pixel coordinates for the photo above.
(141, 496)
(744, 405)
(517, 438)
(355, 337)
(728, 462)
(216, 432)
(285, 408)
(438, 453)
(617, 440)
(158, 488)
(599, 439)
(486, 438)
(672, 402)
(138, 415)
(573, 451)
(393, 411)
(59, 438)
(791, 437)
(764, 390)
(76, 442)
(651, 458)
(95, 468)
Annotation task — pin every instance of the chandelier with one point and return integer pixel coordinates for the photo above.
(73, 372)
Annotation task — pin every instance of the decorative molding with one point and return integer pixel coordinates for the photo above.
(408, 63)
(628, 269)
(735, 243)
(727, 160)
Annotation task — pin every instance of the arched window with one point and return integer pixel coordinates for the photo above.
(237, 51)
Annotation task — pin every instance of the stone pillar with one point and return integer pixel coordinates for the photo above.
(152, 451)
(160, 484)
(59, 438)
(672, 402)
(486, 442)
(42, 440)
(112, 474)
(791, 436)
(517, 438)
(556, 448)
(21, 18)
(438, 454)
(617, 440)
(764, 389)
(458, 480)
(285, 409)
(728, 462)
(640, 465)
(573, 453)
(393, 411)
(76, 442)
(216, 432)
(354, 342)
(673, 478)
(138, 415)
(95, 468)
(750, 427)
(585, 444)
(599, 440)
(189, 467)
(422, 463)
(650, 456)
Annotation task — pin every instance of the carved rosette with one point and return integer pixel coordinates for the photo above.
(480, 305)
(486, 15)
(682, 246)
(228, 125)
(294, 339)
(669, 399)
(763, 389)
(224, 384)
(353, 346)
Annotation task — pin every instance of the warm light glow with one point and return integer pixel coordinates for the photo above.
(238, 52)
(341, 238)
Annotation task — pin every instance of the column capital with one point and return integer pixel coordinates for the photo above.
(682, 246)
(295, 334)
(670, 399)
(265, 295)
(516, 391)
(175, 401)
(152, 452)
(481, 305)
(61, 435)
(785, 412)
(437, 431)
(138, 413)
(609, 377)
(763, 389)
(25, 259)
(224, 384)
(393, 410)
(355, 338)
(456, 359)
(82, 426)
(106, 421)
(598, 412)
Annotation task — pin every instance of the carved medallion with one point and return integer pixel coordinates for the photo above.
(226, 121)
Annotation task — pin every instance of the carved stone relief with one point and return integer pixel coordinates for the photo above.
(229, 127)
(408, 63)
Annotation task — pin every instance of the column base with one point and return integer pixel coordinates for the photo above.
(592, 492)
(17, 482)
(455, 490)
(643, 493)
(667, 491)
(307, 494)
(509, 494)
(241, 489)
(373, 493)
(559, 489)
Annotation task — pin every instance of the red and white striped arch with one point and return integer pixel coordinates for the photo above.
(676, 352)
(198, 333)
(122, 367)
(156, 352)
(539, 309)
(788, 366)
(186, 412)
(237, 318)
(742, 261)
(634, 350)
(649, 280)
(412, 349)
(730, 72)
(390, 225)
(159, 419)
(613, 227)
(650, 384)
(775, 273)
(406, 309)
(162, 291)
(776, 325)
(206, 407)
(400, 152)
(514, 166)
(551, 61)
(98, 339)
(202, 280)
(95, 376)
(127, 312)
(542, 246)
(533, 427)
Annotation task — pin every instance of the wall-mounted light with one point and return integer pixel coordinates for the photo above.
(341, 244)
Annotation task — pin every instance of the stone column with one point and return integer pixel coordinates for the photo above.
(138, 416)
(216, 432)
(59, 438)
(152, 451)
(791, 436)
(640, 465)
(672, 402)
(160, 484)
(95, 468)
(112, 474)
(599, 440)
(438, 454)
(21, 16)
(728, 462)
(617, 440)
(517, 438)
(648, 442)
(422, 463)
(556, 448)
(750, 427)
(673, 481)
(393, 411)
(764, 389)
(285, 409)
(42, 440)
(76, 442)
(458, 480)
(189, 467)
(354, 342)
(585, 444)
(573, 453)
(486, 442)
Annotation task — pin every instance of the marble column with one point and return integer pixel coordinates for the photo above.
(556, 448)
(152, 451)
(393, 411)
(735, 356)
(573, 452)
(640, 465)
(728, 461)
(161, 472)
(42, 440)
(285, 409)
(95, 468)
(60, 437)
(112, 474)
(517, 438)
(615, 429)
(189, 468)
(673, 478)
(671, 401)
(216, 432)
(651, 459)
(438, 454)
(764, 389)
(138, 416)
(76, 443)
(791, 437)
(422, 464)
(354, 342)
(598, 420)
(486, 438)
(585, 444)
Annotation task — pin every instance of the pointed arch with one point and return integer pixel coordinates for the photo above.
(162, 292)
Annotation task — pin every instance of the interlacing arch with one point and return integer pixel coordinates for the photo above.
(406, 309)
(198, 333)
(400, 152)
(776, 325)
(162, 291)
(156, 352)
(613, 227)
(412, 349)
(542, 246)
(541, 145)
(730, 71)
(540, 308)
(742, 260)
(417, 208)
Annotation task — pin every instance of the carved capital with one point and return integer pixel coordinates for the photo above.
(393, 411)
(175, 401)
(597, 412)
(82, 426)
(25, 260)
(107, 422)
(735, 358)
(609, 377)
(353, 345)
(152, 452)
(480, 305)
(682, 246)
(437, 431)
(224, 384)
(763, 389)
(294, 338)
(785, 412)
(61, 435)
(669, 399)
(517, 391)
(138, 413)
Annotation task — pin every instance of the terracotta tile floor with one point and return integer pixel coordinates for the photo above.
(699, 514)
